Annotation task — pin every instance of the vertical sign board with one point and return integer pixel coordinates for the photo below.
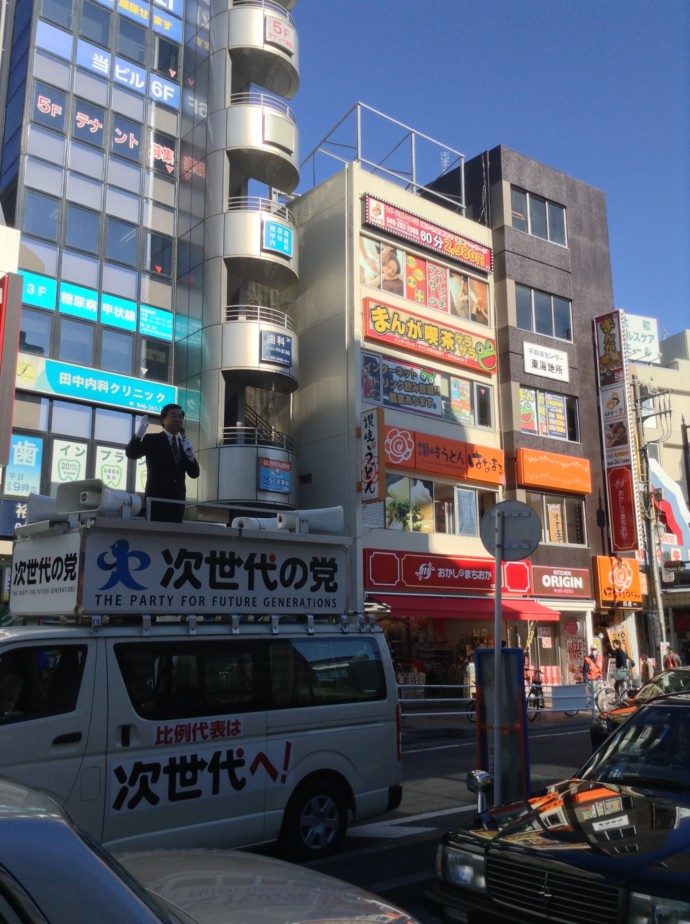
(617, 426)
(372, 457)
(10, 311)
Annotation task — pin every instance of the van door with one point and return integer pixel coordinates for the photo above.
(46, 706)
(186, 742)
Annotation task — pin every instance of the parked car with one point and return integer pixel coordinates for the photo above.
(53, 873)
(610, 845)
(675, 680)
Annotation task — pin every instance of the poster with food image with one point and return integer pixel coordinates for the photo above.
(437, 287)
(415, 279)
(461, 400)
(528, 410)
(409, 504)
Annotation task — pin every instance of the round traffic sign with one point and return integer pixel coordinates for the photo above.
(514, 526)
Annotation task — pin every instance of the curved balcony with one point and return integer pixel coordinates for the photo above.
(260, 348)
(262, 41)
(260, 241)
(253, 473)
(261, 140)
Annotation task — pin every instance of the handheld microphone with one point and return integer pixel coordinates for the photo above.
(181, 432)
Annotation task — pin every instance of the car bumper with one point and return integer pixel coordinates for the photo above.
(455, 904)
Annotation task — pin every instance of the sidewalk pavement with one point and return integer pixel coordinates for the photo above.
(420, 727)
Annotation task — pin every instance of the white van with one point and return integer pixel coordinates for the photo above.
(193, 731)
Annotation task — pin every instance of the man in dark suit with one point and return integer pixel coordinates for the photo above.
(169, 459)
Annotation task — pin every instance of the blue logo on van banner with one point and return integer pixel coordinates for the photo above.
(118, 563)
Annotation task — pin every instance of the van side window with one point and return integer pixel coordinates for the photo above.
(38, 681)
(324, 672)
(170, 680)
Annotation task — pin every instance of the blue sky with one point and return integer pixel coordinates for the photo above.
(597, 88)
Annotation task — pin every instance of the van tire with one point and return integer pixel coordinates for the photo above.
(315, 820)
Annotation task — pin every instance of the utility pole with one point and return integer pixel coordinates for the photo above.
(655, 606)
(686, 457)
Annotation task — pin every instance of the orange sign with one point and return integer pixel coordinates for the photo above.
(436, 455)
(616, 582)
(537, 469)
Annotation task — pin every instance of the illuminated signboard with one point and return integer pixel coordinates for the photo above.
(78, 301)
(407, 330)
(136, 10)
(118, 312)
(275, 475)
(129, 75)
(80, 383)
(39, 291)
(154, 322)
(23, 471)
(277, 238)
(168, 26)
(424, 234)
(164, 91)
(276, 348)
(93, 58)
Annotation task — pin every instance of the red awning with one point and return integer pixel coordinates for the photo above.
(429, 607)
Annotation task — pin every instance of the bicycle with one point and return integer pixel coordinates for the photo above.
(602, 694)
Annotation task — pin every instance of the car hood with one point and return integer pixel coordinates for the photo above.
(618, 831)
(226, 886)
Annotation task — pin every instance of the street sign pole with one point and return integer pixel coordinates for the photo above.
(498, 692)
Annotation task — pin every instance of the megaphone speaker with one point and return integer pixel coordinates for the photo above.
(92, 496)
(40, 507)
(254, 523)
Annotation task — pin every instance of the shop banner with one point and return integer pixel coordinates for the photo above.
(617, 582)
(617, 427)
(372, 460)
(424, 234)
(435, 455)
(561, 582)
(389, 569)
(406, 330)
(546, 362)
(553, 471)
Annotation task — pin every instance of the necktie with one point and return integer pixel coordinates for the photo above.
(176, 448)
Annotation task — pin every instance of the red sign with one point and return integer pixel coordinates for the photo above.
(622, 508)
(432, 237)
(389, 569)
(417, 333)
(436, 455)
(561, 582)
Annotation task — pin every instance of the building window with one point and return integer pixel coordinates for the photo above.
(542, 313)
(50, 106)
(127, 137)
(537, 216)
(131, 40)
(426, 506)
(76, 342)
(562, 518)
(160, 249)
(167, 58)
(120, 241)
(155, 360)
(95, 23)
(546, 413)
(116, 352)
(34, 332)
(112, 426)
(58, 11)
(30, 412)
(88, 122)
(41, 214)
(82, 228)
(71, 419)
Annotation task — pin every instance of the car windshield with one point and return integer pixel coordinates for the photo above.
(650, 751)
(663, 684)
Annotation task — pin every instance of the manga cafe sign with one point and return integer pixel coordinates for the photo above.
(406, 330)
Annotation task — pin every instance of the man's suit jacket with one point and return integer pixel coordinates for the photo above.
(164, 477)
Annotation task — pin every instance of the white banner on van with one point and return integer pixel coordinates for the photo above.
(45, 575)
(164, 779)
(189, 574)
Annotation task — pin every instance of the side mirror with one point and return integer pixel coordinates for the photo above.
(479, 781)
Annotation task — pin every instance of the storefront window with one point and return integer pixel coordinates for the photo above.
(409, 504)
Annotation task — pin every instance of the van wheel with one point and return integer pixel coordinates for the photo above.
(315, 820)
